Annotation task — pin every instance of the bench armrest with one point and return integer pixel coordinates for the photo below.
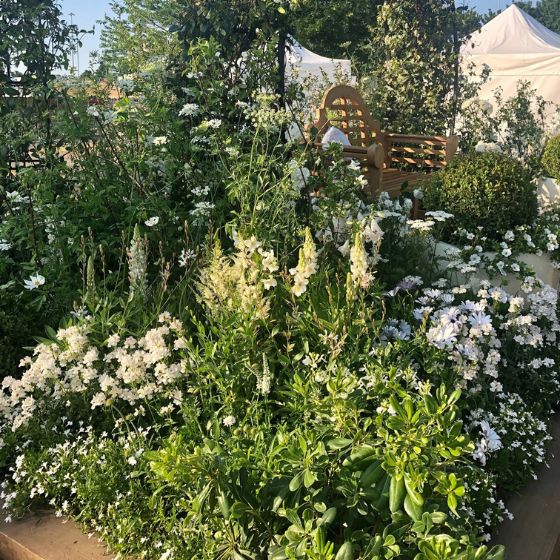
(373, 155)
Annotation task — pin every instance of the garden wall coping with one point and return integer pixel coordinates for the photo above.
(542, 265)
(43, 536)
(548, 192)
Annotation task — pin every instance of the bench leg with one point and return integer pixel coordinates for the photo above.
(373, 188)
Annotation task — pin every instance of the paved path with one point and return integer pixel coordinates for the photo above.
(46, 537)
(534, 533)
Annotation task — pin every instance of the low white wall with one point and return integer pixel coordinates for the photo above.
(542, 266)
(548, 193)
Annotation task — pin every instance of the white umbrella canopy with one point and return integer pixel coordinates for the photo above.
(516, 47)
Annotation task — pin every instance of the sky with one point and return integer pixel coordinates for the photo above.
(88, 12)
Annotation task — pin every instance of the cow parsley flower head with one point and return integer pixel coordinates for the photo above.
(421, 225)
(188, 110)
(439, 215)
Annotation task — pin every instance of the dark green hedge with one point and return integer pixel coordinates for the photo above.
(489, 190)
(551, 158)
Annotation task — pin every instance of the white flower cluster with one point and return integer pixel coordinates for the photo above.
(189, 110)
(306, 267)
(202, 206)
(130, 370)
(485, 509)
(512, 430)
(501, 257)
(265, 115)
(237, 284)
(476, 103)
(56, 480)
(299, 175)
(472, 331)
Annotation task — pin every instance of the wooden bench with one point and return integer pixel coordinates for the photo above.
(389, 160)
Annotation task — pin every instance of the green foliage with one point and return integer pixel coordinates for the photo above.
(415, 60)
(241, 370)
(137, 35)
(551, 158)
(336, 28)
(548, 13)
(514, 126)
(34, 42)
(491, 191)
(235, 25)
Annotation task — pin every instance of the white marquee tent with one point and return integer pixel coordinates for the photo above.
(301, 63)
(516, 47)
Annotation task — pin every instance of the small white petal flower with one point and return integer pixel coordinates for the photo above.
(34, 281)
(153, 221)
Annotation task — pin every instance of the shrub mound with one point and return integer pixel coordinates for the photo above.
(551, 158)
(489, 190)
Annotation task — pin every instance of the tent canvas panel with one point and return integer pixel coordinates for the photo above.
(516, 47)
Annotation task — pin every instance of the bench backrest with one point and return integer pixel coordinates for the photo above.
(344, 108)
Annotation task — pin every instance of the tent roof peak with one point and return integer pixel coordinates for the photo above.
(513, 31)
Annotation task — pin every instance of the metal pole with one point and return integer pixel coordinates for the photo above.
(72, 51)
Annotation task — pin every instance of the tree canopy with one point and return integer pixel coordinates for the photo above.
(34, 42)
(414, 59)
(335, 28)
(137, 33)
